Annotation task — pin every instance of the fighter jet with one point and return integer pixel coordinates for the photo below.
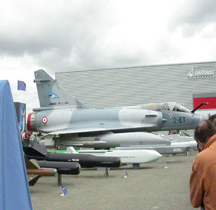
(73, 123)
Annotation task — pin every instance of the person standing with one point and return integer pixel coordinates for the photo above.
(32, 140)
(22, 134)
(27, 138)
(203, 175)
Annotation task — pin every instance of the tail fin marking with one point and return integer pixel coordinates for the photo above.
(51, 94)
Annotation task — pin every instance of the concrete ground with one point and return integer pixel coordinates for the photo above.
(159, 185)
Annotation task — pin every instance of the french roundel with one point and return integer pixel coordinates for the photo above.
(44, 120)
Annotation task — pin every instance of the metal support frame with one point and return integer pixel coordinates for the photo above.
(59, 180)
(106, 175)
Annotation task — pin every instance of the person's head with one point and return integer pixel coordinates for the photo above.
(212, 118)
(203, 132)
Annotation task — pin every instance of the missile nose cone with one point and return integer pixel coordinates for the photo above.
(155, 155)
(55, 171)
(158, 155)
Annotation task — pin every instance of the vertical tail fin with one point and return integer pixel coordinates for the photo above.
(51, 94)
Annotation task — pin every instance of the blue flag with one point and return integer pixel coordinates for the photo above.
(21, 85)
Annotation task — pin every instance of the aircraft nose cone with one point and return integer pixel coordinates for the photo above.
(202, 117)
(197, 119)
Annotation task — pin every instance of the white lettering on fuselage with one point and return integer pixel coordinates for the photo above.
(127, 157)
(75, 160)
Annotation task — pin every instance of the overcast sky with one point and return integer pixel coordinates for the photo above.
(58, 35)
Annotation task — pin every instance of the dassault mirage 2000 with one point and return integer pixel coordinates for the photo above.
(75, 124)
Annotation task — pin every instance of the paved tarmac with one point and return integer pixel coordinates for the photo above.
(155, 186)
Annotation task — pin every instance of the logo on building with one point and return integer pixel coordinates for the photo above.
(197, 73)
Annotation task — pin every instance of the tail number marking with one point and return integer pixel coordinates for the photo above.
(178, 119)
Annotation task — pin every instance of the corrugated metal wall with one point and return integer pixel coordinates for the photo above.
(138, 85)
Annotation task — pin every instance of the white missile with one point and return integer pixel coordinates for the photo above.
(191, 144)
(127, 156)
(180, 140)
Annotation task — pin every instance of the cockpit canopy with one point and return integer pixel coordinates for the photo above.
(174, 106)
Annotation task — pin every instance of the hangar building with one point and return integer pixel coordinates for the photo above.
(186, 83)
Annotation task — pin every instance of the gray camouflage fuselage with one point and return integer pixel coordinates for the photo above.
(69, 120)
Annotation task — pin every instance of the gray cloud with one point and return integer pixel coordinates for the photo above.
(72, 35)
(54, 31)
(193, 16)
(75, 35)
(68, 36)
